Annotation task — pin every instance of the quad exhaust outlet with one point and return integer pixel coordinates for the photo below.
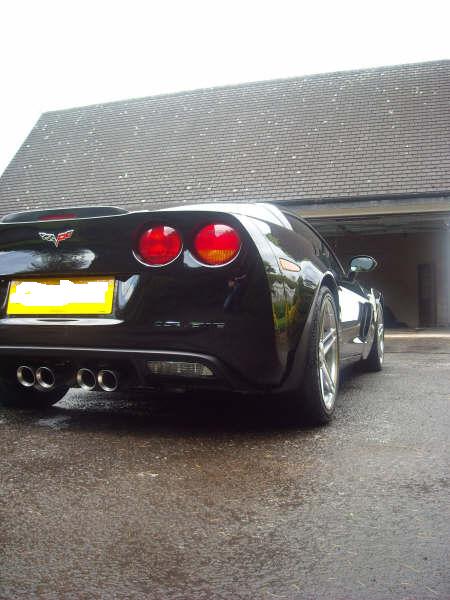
(26, 376)
(88, 380)
(45, 378)
(107, 380)
(42, 377)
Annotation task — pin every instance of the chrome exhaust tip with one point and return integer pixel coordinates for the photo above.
(45, 378)
(86, 379)
(108, 380)
(26, 376)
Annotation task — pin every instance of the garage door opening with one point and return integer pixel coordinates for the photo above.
(413, 254)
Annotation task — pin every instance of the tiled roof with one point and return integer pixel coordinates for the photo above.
(359, 134)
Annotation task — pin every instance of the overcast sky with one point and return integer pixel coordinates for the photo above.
(64, 53)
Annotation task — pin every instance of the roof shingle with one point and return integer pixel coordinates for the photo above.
(358, 134)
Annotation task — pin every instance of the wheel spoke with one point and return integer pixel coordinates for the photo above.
(381, 340)
(329, 341)
(329, 334)
(327, 377)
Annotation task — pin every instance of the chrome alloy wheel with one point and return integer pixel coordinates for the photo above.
(380, 338)
(328, 354)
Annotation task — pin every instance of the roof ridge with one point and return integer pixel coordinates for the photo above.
(247, 84)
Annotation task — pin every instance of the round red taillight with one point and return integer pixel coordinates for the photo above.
(217, 244)
(159, 245)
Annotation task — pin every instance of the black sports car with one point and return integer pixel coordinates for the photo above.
(241, 297)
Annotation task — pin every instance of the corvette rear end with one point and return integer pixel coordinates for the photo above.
(104, 299)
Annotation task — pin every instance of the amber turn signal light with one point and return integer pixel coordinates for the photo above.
(217, 244)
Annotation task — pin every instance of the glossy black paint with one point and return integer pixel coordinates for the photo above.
(249, 319)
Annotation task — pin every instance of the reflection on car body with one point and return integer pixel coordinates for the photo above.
(247, 293)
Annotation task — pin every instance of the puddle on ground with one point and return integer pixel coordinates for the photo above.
(57, 422)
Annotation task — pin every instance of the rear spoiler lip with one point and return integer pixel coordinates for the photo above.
(93, 212)
(85, 212)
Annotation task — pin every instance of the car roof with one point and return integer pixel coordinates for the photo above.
(258, 210)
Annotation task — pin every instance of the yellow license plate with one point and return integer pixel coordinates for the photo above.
(87, 296)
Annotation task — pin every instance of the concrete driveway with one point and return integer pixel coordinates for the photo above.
(430, 341)
(191, 499)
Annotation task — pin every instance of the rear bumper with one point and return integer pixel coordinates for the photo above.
(131, 363)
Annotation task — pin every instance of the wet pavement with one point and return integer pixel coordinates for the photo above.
(109, 497)
(434, 341)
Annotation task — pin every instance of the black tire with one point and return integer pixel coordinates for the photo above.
(374, 362)
(311, 403)
(15, 396)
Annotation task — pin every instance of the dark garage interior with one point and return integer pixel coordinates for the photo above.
(413, 254)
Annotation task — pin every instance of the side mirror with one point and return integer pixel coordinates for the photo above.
(361, 264)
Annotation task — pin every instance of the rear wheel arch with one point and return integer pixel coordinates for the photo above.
(295, 370)
(309, 399)
(374, 360)
(330, 282)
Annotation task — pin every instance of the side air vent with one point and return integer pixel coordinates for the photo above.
(366, 321)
